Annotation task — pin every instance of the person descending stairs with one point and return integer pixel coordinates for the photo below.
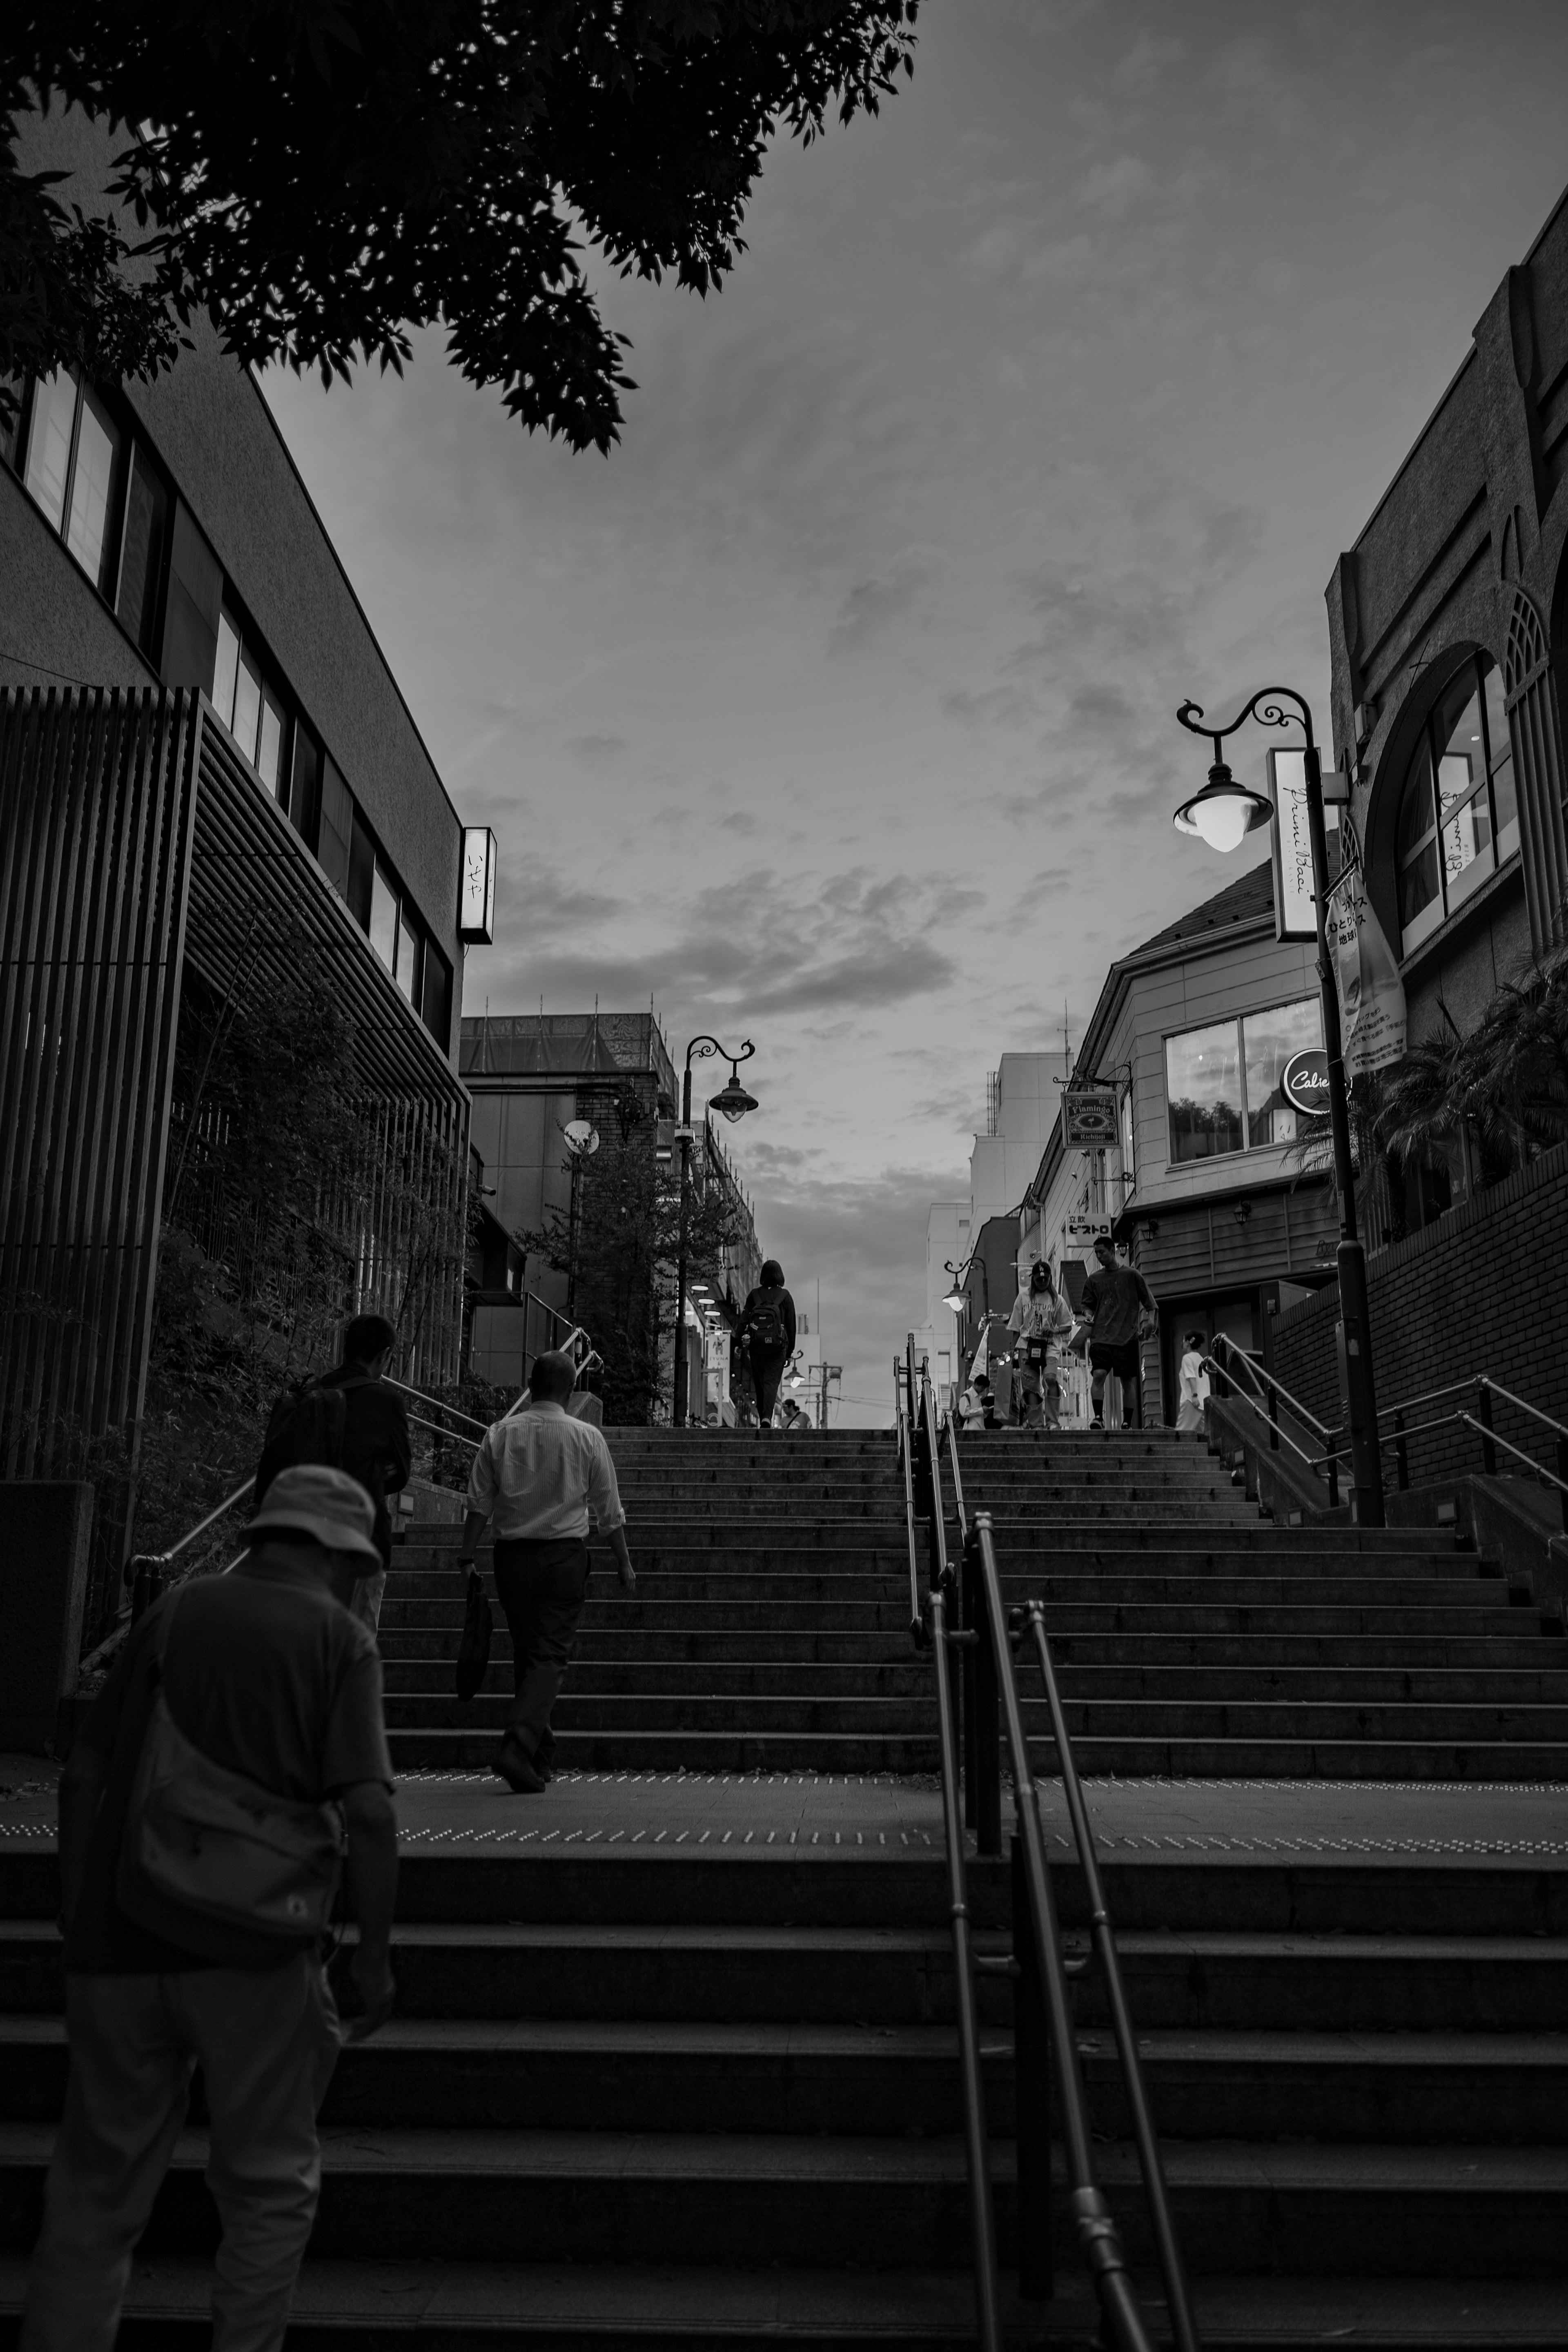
(674, 2059)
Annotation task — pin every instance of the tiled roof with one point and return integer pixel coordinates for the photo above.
(1242, 901)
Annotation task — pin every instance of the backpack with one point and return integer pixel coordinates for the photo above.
(219, 1844)
(308, 1424)
(767, 1327)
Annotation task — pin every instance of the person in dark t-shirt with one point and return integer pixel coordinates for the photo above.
(767, 1325)
(267, 1675)
(1115, 1300)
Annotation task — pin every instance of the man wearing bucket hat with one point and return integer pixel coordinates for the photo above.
(256, 1697)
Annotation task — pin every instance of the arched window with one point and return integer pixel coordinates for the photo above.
(1458, 818)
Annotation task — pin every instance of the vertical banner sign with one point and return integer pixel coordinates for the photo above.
(1372, 994)
(477, 891)
(1295, 915)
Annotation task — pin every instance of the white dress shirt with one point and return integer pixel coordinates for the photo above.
(541, 1472)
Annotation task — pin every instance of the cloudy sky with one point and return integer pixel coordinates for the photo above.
(835, 709)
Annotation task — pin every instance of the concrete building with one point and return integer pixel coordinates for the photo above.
(1022, 1096)
(1207, 1186)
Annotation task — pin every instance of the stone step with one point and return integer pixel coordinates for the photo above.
(693, 1750)
(1213, 1980)
(1185, 1578)
(752, 2200)
(430, 1544)
(431, 1645)
(866, 2081)
(1472, 1618)
(909, 1676)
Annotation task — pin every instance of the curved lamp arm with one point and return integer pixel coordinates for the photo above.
(1267, 705)
(704, 1048)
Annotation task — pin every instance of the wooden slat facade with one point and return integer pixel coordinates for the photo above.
(98, 794)
(135, 843)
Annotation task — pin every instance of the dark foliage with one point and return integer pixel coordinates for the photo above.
(324, 174)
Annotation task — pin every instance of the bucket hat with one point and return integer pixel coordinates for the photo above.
(319, 1501)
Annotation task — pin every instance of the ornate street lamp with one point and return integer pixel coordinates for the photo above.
(1222, 814)
(734, 1102)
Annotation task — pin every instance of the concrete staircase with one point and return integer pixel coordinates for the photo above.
(770, 1632)
(707, 2095)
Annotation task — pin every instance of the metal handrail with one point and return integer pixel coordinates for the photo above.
(905, 1440)
(1097, 2238)
(981, 2225)
(1228, 1372)
(943, 1640)
(951, 1427)
(1491, 1437)
(1103, 1936)
(423, 1398)
(1311, 1461)
(1485, 1380)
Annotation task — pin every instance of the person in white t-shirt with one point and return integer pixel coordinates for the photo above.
(1193, 1385)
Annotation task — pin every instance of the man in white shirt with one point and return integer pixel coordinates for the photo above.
(541, 1473)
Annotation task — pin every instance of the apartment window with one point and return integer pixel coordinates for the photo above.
(142, 546)
(409, 972)
(1222, 1083)
(250, 708)
(73, 468)
(334, 841)
(382, 925)
(1458, 814)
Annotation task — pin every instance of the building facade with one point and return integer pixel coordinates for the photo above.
(1208, 1188)
(212, 794)
(1446, 624)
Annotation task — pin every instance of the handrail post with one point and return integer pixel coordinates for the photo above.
(1562, 1472)
(985, 1733)
(1401, 1454)
(1484, 1412)
(1273, 1420)
(1334, 1469)
(1032, 2096)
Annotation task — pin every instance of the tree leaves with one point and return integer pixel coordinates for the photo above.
(324, 175)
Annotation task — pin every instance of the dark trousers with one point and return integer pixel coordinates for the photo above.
(542, 1586)
(767, 1372)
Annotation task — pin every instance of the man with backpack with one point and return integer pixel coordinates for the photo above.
(767, 1325)
(351, 1420)
(202, 1813)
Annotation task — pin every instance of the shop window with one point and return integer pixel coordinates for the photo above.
(1271, 1039)
(1202, 1081)
(1458, 814)
(1222, 1083)
(73, 470)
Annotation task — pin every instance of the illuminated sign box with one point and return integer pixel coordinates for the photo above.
(476, 894)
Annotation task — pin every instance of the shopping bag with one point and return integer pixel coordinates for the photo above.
(474, 1649)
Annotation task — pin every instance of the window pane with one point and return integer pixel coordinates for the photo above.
(382, 925)
(1416, 812)
(1499, 742)
(50, 444)
(269, 753)
(410, 941)
(305, 791)
(1202, 1088)
(226, 667)
(87, 535)
(438, 1005)
(1506, 804)
(337, 828)
(1466, 848)
(246, 702)
(1419, 886)
(1271, 1039)
(141, 549)
(1461, 754)
(361, 872)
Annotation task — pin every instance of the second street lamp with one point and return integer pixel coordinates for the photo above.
(1222, 814)
(734, 1102)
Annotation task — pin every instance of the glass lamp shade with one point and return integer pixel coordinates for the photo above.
(732, 1100)
(1223, 813)
(956, 1300)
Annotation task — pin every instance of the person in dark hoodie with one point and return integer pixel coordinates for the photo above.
(767, 1327)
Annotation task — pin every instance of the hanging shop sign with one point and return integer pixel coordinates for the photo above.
(1087, 1229)
(1089, 1119)
(476, 896)
(1304, 1083)
(1295, 909)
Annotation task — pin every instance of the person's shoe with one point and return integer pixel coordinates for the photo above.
(519, 1771)
(1097, 1422)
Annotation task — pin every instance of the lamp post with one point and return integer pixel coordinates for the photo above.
(734, 1102)
(1222, 814)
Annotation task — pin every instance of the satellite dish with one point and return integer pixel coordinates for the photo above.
(580, 1137)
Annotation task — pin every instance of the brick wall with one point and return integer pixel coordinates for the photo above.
(1485, 1289)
